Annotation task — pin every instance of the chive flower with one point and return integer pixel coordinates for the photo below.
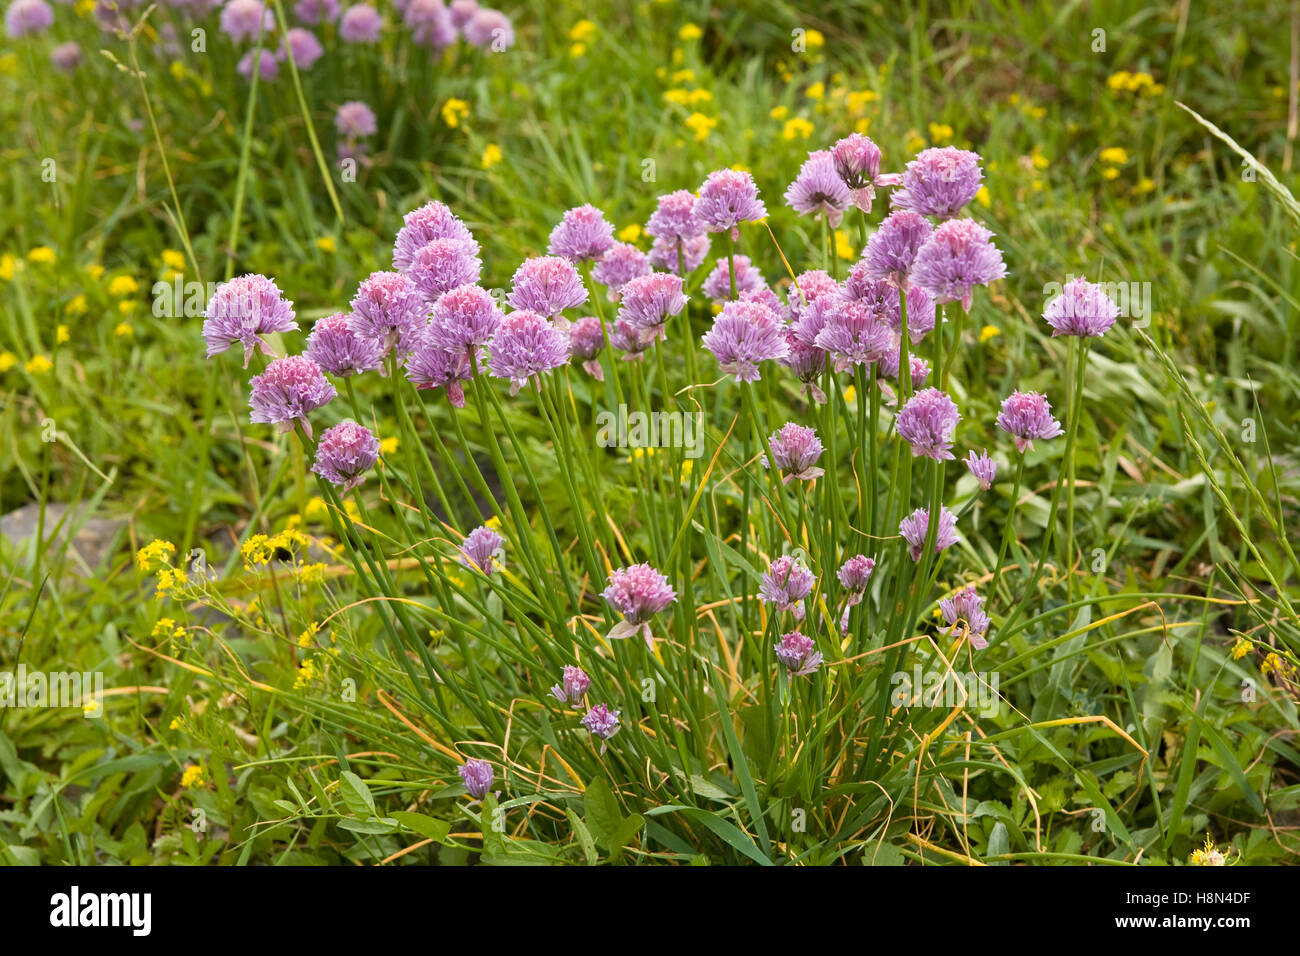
(983, 468)
(478, 776)
(345, 453)
(939, 182)
(913, 528)
(333, 346)
(601, 723)
(618, 265)
(243, 310)
(483, 548)
(786, 583)
(288, 389)
(795, 450)
(1027, 417)
(583, 235)
(798, 654)
(547, 285)
(526, 346)
(727, 198)
(638, 593)
(573, 686)
(818, 189)
(1082, 309)
(743, 335)
(927, 422)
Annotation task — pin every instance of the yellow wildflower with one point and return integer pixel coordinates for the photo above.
(306, 673)
(76, 306)
(311, 573)
(816, 92)
(700, 125)
(1240, 649)
(814, 38)
(491, 156)
(1145, 185)
(388, 446)
(577, 50)
(858, 101)
(7, 361)
(316, 508)
(683, 76)
(630, 233)
(326, 244)
(584, 31)
(122, 286)
(177, 70)
(989, 332)
(940, 133)
(38, 365)
(62, 335)
(8, 266)
(174, 259)
(192, 777)
(41, 254)
(169, 579)
(843, 247)
(850, 393)
(164, 628)
(176, 724)
(157, 550)
(453, 111)
(124, 330)
(797, 127)
(1113, 155)
(95, 271)
(690, 32)
(1209, 855)
(305, 638)
(982, 197)
(779, 112)
(257, 551)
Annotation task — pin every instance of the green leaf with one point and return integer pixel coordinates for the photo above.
(356, 795)
(583, 836)
(426, 826)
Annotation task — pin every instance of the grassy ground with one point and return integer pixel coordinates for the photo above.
(1186, 455)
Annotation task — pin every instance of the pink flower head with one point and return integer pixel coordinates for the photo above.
(638, 593)
(288, 389)
(601, 723)
(914, 527)
(1026, 417)
(663, 254)
(854, 332)
(464, 319)
(939, 182)
(674, 218)
(956, 258)
(66, 56)
(854, 575)
(967, 606)
(798, 654)
(649, 301)
(443, 264)
(338, 350)
(489, 29)
(345, 453)
(728, 198)
(303, 46)
(430, 367)
(1083, 308)
(619, 264)
(24, 17)
(892, 248)
(361, 23)
(983, 468)
(477, 776)
(314, 11)
(390, 309)
(795, 450)
(462, 11)
(927, 423)
(584, 234)
(786, 583)
(628, 339)
(573, 686)
(718, 284)
(355, 119)
(857, 163)
(430, 23)
(743, 335)
(807, 362)
(819, 189)
(242, 19)
(431, 221)
(483, 549)
(808, 288)
(242, 311)
(586, 339)
(525, 346)
(261, 62)
(547, 285)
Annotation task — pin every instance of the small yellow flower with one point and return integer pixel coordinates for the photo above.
(7, 361)
(1240, 649)
(814, 39)
(816, 92)
(192, 777)
(844, 249)
(9, 64)
(1039, 160)
(577, 50)
(257, 551)
(858, 101)
(163, 628)
(127, 306)
(688, 465)
(316, 508)
(1113, 155)
(983, 198)
(41, 254)
(779, 112)
(38, 365)
(305, 638)
(453, 111)
(85, 8)
(306, 673)
(491, 155)
(494, 522)
(690, 32)
(1110, 172)
(989, 332)
(173, 259)
(940, 133)
(76, 306)
(683, 76)
(915, 142)
(1145, 185)
(95, 271)
(796, 128)
(850, 394)
(862, 125)
(157, 550)
(388, 445)
(584, 31)
(90, 705)
(177, 70)
(62, 335)
(630, 233)
(8, 266)
(700, 125)
(124, 330)
(176, 724)
(326, 244)
(1209, 855)
(311, 573)
(122, 286)
(169, 579)
(677, 95)
(1276, 664)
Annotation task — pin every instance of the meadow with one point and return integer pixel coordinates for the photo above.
(443, 436)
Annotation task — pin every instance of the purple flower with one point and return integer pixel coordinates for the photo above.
(261, 62)
(66, 56)
(674, 218)
(478, 776)
(361, 23)
(345, 453)
(807, 362)
(798, 654)
(744, 334)
(23, 17)
(1083, 308)
(920, 370)
(853, 332)
(819, 189)
(464, 319)
(572, 687)
(489, 29)
(314, 11)
(767, 297)
(892, 248)
(586, 339)
(303, 46)
(809, 287)
(914, 527)
(718, 284)
(243, 310)
(649, 301)
(628, 339)
(389, 308)
(354, 119)
(939, 182)
(983, 468)
(288, 389)
(663, 254)
(338, 350)
(927, 423)
(602, 723)
(1027, 416)
(483, 549)
(526, 345)
(957, 257)
(638, 593)
(786, 582)
(430, 23)
(857, 163)
(443, 264)
(620, 263)
(582, 235)
(967, 606)
(795, 450)
(547, 285)
(431, 221)
(430, 367)
(854, 576)
(241, 19)
(728, 198)
(461, 12)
